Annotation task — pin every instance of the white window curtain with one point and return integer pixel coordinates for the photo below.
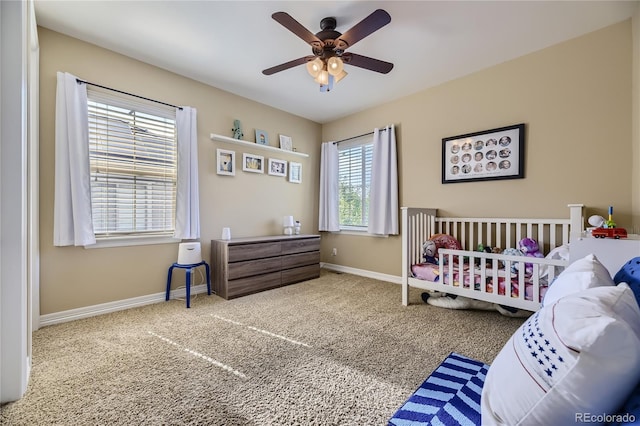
(72, 197)
(187, 195)
(328, 214)
(383, 200)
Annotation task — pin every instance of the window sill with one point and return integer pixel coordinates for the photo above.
(132, 241)
(358, 232)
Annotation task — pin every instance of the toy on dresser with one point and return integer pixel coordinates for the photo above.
(606, 228)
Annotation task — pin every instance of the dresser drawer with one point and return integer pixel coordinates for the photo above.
(301, 259)
(299, 246)
(249, 285)
(303, 273)
(242, 252)
(254, 267)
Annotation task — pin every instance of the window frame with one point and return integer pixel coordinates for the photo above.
(362, 142)
(160, 112)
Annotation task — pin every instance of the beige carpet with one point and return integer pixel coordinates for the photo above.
(338, 350)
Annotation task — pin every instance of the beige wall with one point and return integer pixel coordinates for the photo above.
(251, 204)
(575, 99)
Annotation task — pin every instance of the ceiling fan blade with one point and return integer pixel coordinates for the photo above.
(288, 65)
(378, 19)
(367, 63)
(298, 29)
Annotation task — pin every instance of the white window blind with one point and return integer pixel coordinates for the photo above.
(133, 161)
(354, 182)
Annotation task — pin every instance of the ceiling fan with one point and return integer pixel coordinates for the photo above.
(328, 46)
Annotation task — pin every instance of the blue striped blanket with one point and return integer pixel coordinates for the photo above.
(449, 396)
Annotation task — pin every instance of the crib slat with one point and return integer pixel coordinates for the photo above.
(535, 286)
(541, 241)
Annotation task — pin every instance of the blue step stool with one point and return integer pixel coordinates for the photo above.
(189, 268)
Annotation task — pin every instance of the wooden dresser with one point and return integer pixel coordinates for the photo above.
(243, 266)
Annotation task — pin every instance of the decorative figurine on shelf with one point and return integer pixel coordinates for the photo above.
(237, 130)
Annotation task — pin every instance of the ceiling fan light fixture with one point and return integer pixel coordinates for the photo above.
(335, 66)
(322, 78)
(340, 76)
(314, 67)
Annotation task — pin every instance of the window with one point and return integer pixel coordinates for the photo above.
(133, 166)
(354, 183)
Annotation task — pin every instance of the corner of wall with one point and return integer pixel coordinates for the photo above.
(635, 121)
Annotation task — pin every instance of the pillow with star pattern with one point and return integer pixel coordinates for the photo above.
(575, 357)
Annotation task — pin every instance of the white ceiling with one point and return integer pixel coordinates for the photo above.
(227, 44)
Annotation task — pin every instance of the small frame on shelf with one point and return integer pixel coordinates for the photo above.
(488, 155)
(225, 162)
(295, 172)
(252, 163)
(261, 137)
(286, 143)
(277, 167)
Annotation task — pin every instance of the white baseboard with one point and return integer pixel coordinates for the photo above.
(120, 305)
(363, 273)
(105, 308)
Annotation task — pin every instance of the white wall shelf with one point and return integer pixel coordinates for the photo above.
(227, 139)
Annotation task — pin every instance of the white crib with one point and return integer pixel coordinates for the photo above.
(480, 269)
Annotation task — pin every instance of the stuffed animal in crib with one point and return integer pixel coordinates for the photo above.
(487, 249)
(512, 252)
(432, 245)
(429, 251)
(530, 248)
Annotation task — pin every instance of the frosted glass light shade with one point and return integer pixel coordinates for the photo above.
(314, 67)
(322, 78)
(335, 66)
(340, 76)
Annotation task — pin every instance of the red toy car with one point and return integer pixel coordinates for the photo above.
(609, 233)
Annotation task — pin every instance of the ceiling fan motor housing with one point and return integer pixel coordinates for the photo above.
(328, 35)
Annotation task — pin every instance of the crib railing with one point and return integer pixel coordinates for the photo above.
(470, 267)
(504, 233)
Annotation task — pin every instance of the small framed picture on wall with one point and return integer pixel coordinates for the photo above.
(277, 167)
(295, 172)
(226, 162)
(252, 163)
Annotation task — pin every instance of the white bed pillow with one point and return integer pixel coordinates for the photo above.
(582, 274)
(577, 355)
